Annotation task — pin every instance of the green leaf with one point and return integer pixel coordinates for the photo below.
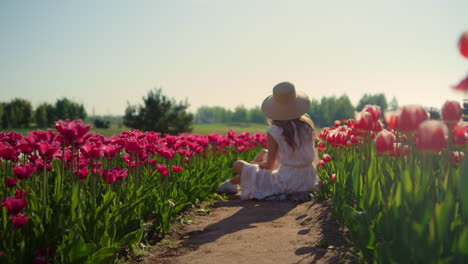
(133, 237)
(463, 242)
(80, 250)
(103, 254)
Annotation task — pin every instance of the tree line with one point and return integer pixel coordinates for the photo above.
(163, 114)
(323, 112)
(19, 113)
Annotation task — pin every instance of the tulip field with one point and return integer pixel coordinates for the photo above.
(401, 189)
(70, 196)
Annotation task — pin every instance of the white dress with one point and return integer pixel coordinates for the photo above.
(294, 172)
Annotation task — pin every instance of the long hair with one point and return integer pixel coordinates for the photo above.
(303, 126)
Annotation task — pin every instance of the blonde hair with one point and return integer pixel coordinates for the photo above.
(303, 125)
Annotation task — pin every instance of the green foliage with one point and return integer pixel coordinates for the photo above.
(159, 113)
(409, 209)
(67, 109)
(256, 115)
(329, 109)
(240, 114)
(213, 114)
(44, 115)
(101, 123)
(17, 114)
(377, 99)
(434, 113)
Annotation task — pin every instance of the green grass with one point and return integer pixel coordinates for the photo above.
(222, 128)
(203, 129)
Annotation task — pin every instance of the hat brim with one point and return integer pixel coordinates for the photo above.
(293, 110)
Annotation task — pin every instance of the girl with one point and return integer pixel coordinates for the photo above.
(286, 170)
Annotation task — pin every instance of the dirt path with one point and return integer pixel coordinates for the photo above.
(238, 231)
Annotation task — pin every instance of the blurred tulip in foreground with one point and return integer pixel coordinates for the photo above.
(451, 112)
(410, 117)
(462, 85)
(432, 136)
(463, 44)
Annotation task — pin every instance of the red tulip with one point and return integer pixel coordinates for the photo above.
(110, 151)
(177, 168)
(72, 130)
(14, 205)
(46, 150)
(384, 141)
(451, 112)
(11, 182)
(7, 152)
(460, 134)
(321, 163)
(374, 111)
(92, 150)
(81, 173)
(108, 177)
(391, 119)
(410, 117)
(333, 177)
(161, 168)
(432, 136)
(463, 44)
(457, 156)
(166, 173)
(19, 220)
(364, 121)
(399, 150)
(326, 158)
(24, 171)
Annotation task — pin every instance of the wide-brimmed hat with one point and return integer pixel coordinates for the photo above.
(285, 103)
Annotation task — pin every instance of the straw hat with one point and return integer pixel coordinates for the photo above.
(286, 103)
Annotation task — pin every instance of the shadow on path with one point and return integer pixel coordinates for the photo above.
(250, 213)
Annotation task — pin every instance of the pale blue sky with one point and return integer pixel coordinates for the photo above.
(105, 53)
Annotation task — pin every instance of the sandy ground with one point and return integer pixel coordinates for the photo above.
(236, 231)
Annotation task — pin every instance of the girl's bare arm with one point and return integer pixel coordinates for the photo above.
(272, 153)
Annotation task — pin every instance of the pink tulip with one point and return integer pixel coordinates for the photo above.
(161, 168)
(7, 152)
(19, 220)
(177, 168)
(81, 173)
(451, 112)
(47, 150)
(24, 171)
(333, 177)
(432, 136)
(326, 158)
(384, 141)
(14, 205)
(11, 182)
(463, 44)
(321, 163)
(72, 130)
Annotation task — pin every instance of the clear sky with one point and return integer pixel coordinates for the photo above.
(108, 53)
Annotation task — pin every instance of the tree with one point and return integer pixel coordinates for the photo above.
(205, 115)
(240, 114)
(67, 109)
(101, 123)
(17, 114)
(256, 115)
(393, 105)
(378, 99)
(44, 115)
(159, 113)
(2, 106)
